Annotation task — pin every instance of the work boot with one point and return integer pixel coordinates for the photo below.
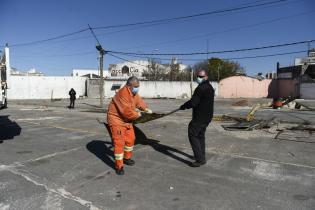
(129, 162)
(120, 171)
(198, 163)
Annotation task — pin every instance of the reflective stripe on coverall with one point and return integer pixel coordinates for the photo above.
(121, 113)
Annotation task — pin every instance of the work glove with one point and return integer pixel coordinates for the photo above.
(149, 111)
(182, 107)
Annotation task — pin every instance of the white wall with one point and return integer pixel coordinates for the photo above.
(148, 89)
(42, 87)
(307, 90)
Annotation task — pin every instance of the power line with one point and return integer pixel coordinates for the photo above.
(154, 22)
(190, 37)
(49, 39)
(264, 56)
(213, 52)
(95, 37)
(233, 58)
(59, 55)
(115, 56)
(223, 31)
(192, 16)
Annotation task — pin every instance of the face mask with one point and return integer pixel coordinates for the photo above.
(199, 80)
(135, 90)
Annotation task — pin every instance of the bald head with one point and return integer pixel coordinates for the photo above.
(201, 73)
(133, 81)
(133, 84)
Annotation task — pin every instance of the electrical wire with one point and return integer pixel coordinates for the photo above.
(49, 39)
(232, 58)
(152, 22)
(221, 32)
(213, 52)
(192, 16)
(124, 59)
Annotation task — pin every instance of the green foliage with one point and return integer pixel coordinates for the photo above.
(220, 69)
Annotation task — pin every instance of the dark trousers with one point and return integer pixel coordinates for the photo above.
(196, 135)
(72, 103)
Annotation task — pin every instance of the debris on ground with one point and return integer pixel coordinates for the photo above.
(241, 103)
(246, 126)
(297, 133)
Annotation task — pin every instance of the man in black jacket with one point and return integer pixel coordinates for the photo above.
(202, 104)
(72, 94)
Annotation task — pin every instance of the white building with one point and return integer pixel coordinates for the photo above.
(31, 72)
(310, 59)
(90, 73)
(138, 67)
(126, 69)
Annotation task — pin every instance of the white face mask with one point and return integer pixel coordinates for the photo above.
(199, 80)
(135, 90)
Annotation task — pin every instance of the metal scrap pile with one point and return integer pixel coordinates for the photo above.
(282, 131)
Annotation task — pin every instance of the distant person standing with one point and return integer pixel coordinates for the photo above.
(202, 104)
(72, 94)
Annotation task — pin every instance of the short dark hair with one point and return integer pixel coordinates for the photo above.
(132, 79)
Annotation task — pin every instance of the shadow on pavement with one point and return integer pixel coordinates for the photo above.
(102, 150)
(8, 129)
(141, 138)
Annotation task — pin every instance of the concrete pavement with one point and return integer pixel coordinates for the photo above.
(55, 158)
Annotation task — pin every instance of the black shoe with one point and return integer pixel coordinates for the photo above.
(120, 171)
(129, 162)
(198, 163)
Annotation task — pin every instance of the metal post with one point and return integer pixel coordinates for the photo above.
(101, 79)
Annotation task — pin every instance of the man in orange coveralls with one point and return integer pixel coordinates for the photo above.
(121, 113)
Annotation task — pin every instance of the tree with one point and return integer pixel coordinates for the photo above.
(155, 71)
(168, 72)
(220, 69)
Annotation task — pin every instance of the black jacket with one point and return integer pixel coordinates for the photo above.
(72, 94)
(202, 103)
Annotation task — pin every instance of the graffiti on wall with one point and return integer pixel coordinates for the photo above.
(125, 70)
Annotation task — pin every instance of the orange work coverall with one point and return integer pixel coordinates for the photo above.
(121, 112)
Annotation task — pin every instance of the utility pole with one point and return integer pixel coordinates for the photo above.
(102, 92)
(102, 52)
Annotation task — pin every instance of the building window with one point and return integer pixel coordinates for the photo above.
(125, 70)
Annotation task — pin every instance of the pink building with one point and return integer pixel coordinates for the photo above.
(245, 87)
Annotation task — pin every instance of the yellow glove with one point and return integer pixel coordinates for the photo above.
(149, 111)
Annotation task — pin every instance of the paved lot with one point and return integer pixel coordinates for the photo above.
(55, 158)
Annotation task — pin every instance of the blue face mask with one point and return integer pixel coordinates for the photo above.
(135, 90)
(199, 80)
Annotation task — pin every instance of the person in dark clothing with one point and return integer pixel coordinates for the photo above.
(72, 94)
(202, 104)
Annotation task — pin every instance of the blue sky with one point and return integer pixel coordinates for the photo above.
(32, 20)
